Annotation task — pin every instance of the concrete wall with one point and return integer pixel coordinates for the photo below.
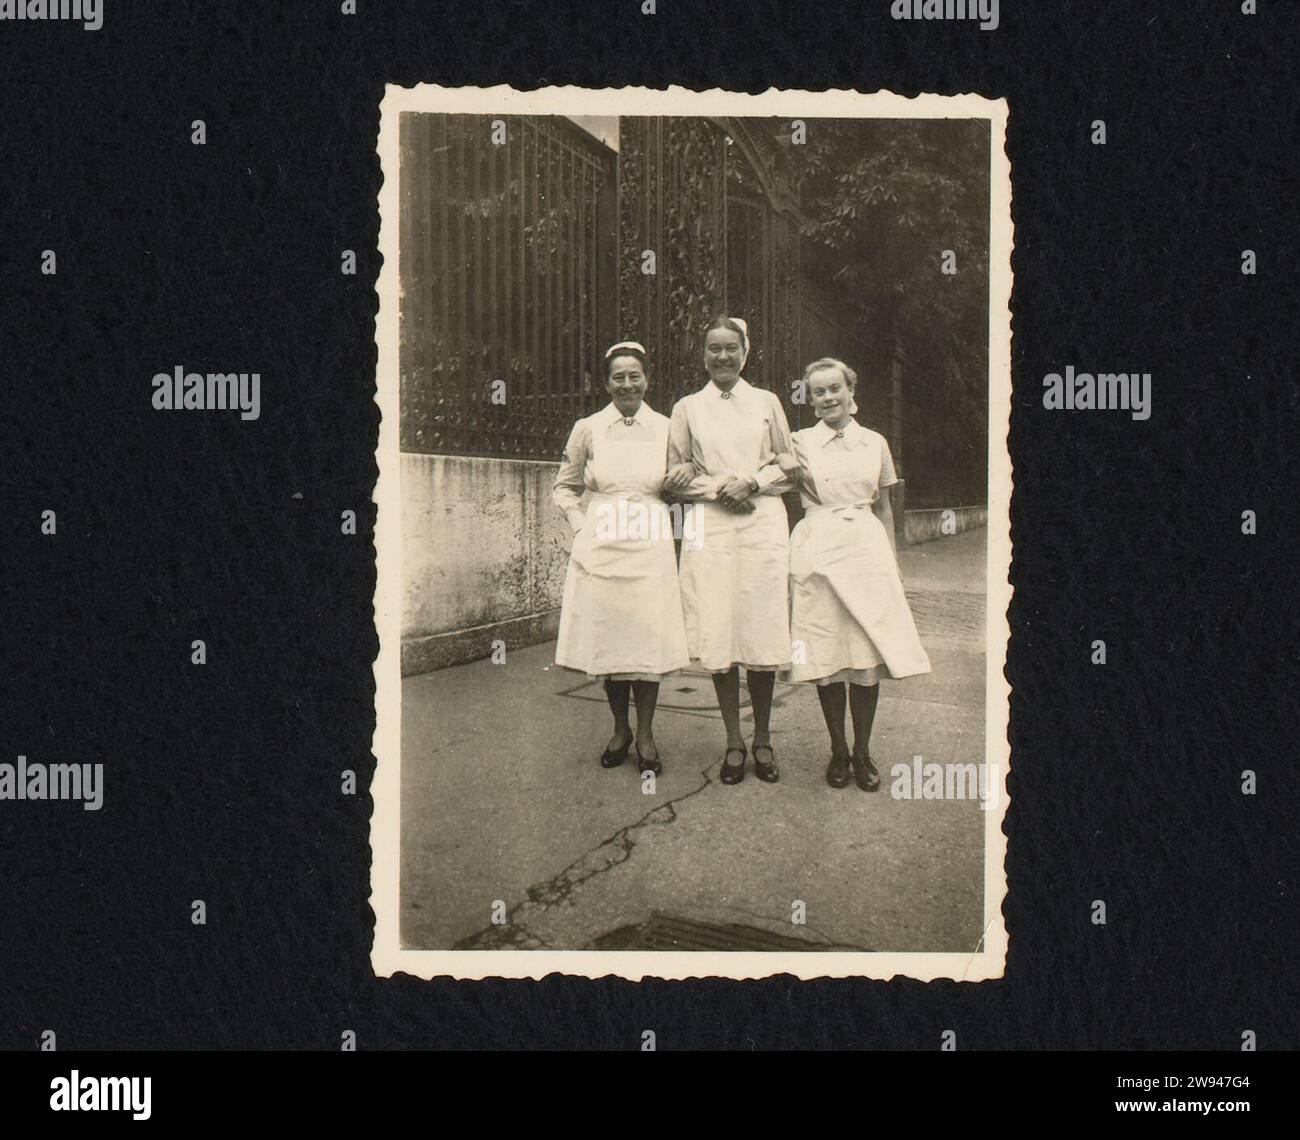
(922, 526)
(484, 553)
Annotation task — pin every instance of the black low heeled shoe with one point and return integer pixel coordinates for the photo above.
(733, 773)
(610, 759)
(838, 773)
(645, 765)
(768, 773)
(864, 773)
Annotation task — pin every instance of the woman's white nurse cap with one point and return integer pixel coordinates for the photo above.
(613, 348)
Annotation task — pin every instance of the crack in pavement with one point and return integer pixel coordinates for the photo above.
(613, 852)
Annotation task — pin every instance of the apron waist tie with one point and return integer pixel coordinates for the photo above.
(630, 496)
(839, 508)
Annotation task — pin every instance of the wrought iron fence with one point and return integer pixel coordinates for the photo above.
(673, 204)
(764, 286)
(507, 268)
(688, 191)
(524, 253)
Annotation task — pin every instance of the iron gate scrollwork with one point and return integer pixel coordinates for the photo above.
(527, 246)
(672, 186)
(508, 247)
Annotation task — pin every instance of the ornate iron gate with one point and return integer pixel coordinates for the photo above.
(702, 190)
(527, 246)
(508, 241)
(673, 205)
(764, 286)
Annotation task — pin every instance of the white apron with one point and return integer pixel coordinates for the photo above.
(735, 574)
(848, 608)
(622, 608)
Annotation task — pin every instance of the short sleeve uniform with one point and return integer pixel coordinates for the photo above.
(621, 616)
(849, 617)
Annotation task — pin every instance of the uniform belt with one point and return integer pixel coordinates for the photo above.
(860, 505)
(628, 496)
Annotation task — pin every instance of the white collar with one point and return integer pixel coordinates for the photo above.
(741, 388)
(823, 433)
(610, 414)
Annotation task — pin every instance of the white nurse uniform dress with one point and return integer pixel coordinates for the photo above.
(849, 617)
(622, 610)
(734, 567)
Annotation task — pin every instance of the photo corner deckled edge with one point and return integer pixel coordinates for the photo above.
(388, 957)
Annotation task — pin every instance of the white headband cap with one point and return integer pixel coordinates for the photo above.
(744, 328)
(613, 348)
(744, 332)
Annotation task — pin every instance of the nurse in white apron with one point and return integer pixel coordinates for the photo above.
(621, 620)
(726, 449)
(850, 623)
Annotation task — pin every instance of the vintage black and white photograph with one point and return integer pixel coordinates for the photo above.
(692, 534)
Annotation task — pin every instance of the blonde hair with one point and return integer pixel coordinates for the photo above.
(850, 377)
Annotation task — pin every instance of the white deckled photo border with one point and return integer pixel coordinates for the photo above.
(388, 957)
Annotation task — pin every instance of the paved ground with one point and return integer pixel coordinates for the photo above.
(503, 802)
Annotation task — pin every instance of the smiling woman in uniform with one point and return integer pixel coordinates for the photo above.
(849, 619)
(621, 620)
(728, 444)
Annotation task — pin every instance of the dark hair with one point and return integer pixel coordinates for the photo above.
(728, 323)
(625, 351)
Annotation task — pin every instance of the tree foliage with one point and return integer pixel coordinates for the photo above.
(883, 199)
